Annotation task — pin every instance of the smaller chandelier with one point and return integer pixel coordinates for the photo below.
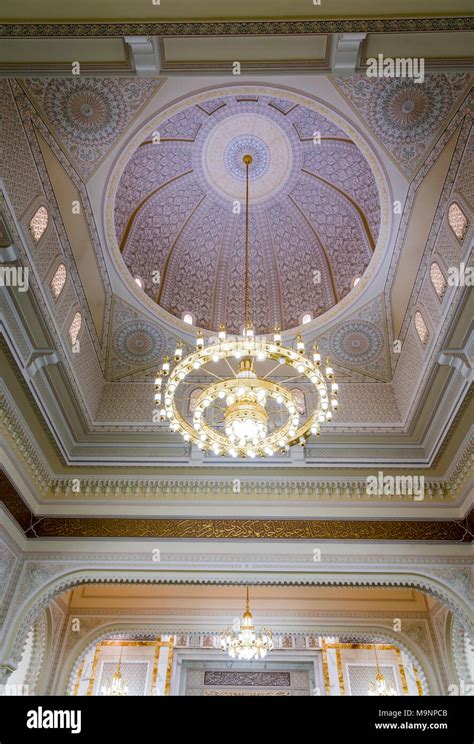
(119, 687)
(381, 687)
(246, 644)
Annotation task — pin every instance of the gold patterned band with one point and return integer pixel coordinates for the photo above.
(232, 529)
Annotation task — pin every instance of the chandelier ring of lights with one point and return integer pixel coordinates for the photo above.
(256, 391)
(259, 416)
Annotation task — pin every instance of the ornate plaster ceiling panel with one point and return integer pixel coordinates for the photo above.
(405, 115)
(361, 342)
(314, 211)
(89, 114)
(136, 342)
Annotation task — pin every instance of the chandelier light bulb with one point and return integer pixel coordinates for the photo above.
(178, 352)
(329, 370)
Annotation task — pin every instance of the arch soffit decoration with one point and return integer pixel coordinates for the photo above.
(37, 599)
(455, 644)
(42, 637)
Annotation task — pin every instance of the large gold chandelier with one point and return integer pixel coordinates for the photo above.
(245, 644)
(246, 407)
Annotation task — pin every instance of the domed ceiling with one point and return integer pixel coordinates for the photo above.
(313, 222)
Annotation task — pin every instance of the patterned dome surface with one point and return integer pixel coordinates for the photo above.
(313, 221)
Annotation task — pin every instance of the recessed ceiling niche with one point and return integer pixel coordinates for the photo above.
(314, 210)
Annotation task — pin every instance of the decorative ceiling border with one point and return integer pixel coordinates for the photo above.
(238, 28)
(43, 480)
(460, 531)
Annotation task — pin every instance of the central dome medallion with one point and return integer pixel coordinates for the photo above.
(261, 138)
(314, 212)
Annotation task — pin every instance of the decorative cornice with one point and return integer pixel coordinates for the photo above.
(238, 28)
(436, 490)
(23, 442)
(232, 529)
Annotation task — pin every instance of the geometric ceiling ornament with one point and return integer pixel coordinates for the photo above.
(405, 115)
(360, 343)
(179, 212)
(88, 114)
(135, 343)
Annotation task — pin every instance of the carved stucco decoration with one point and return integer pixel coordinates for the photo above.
(418, 631)
(405, 116)
(175, 212)
(43, 581)
(458, 649)
(90, 114)
(136, 343)
(40, 641)
(181, 115)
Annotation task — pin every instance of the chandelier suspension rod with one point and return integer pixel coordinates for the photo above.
(247, 160)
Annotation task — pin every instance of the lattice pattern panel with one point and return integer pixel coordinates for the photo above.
(133, 672)
(361, 675)
(38, 223)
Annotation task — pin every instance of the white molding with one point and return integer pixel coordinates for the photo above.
(146, 55)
